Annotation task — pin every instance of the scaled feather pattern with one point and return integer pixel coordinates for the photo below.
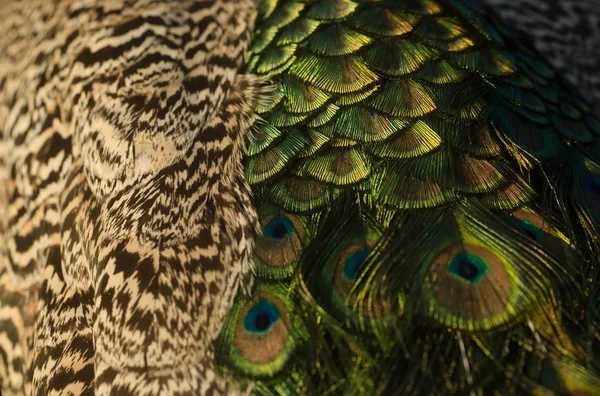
(288, 197)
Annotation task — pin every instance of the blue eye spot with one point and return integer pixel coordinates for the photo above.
(278, 228)
(531, 230)
(468, 267)
(260, 317)
(354, 261)
(592, 184)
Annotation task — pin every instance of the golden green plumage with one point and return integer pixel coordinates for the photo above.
(429, 195)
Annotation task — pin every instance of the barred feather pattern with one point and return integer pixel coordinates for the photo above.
(127, 222)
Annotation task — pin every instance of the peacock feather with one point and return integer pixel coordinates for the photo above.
(292, 197)
(428, 192)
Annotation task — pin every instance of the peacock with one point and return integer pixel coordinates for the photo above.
(292, 197)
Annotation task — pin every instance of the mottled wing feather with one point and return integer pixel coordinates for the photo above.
(127, 220)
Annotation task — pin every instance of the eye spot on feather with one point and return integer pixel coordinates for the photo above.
(469, 284)
(261, 333)
(541, 231)
(280, 246)
(278, 228)
(348, 265)
(468, 267)
(532, 231)
(262, 330)
(353, 263)
(261, 317)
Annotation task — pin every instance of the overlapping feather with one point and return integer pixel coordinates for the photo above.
(429, 195)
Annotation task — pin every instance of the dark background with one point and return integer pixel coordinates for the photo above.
(566, 32)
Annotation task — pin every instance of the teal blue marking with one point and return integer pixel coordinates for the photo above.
(532, 230)
(278, 228)
(354, 261)
(468, 267)
(261, 317)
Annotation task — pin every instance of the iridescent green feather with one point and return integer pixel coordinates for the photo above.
(429, 201)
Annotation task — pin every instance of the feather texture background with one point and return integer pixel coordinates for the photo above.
(293, 197)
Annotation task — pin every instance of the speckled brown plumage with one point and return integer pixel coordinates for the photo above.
(127, 220)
